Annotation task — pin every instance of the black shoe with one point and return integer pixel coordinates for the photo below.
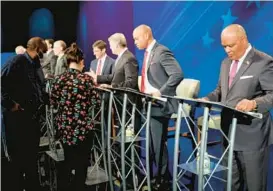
(162, 184)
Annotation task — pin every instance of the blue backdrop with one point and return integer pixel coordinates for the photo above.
(192, 31)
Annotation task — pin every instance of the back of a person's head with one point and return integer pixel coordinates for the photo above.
(119, 39)
(50, 41)
(74, 54)
(62, 44)
(36, 42)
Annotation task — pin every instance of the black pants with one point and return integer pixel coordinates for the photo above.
(77, 158)
(159, 131)
(249, 170)
(22, 136)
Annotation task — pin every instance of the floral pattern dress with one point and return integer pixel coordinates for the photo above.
(73, 95)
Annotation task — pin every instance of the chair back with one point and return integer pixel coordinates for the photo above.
(188, 88)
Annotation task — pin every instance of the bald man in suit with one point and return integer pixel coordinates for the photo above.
(161, 74)
(246, 83)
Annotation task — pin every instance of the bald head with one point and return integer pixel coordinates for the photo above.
(20, 50)
(143, 29)
(143, 36)
(234, 40)
(234, 30)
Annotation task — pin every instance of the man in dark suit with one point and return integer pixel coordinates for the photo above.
(103, 64)
(161, 74)
(245, 83)
(22, 96)
(48, 62)
(125, 75)
(125, 67)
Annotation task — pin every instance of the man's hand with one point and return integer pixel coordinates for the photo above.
(246, 105)
(203, 99)
(49, 76)
(156, 93)
(16, 107)
(93, 75)
(105, 86)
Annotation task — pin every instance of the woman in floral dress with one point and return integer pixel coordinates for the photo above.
(73, 95)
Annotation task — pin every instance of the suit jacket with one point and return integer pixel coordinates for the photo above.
(107, 67)
(48, 63)
(61, 66)
(254, 80)
(125, 72)
(164, 73)
(22, 82)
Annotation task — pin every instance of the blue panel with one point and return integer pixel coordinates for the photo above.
(41, 23)
(5, 56)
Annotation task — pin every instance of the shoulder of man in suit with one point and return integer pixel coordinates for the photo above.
(93, 61)
(110, 59)
(262, 54)
(159, 48)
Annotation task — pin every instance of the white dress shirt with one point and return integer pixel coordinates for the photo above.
(148, 87)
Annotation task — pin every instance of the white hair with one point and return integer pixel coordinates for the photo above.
(119, 39)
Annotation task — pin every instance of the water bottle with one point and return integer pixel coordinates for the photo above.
(206, 163)
(129, 131)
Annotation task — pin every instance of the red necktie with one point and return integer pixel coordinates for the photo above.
(233, 72)
(143, 72)
(98, 72)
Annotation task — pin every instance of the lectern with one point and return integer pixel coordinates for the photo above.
(121, 97)
(190, 165)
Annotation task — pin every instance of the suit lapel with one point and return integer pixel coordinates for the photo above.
(121, 58)
(95, 66)
(226, 76)
(104, 65)
(245, 65)
(151, 55)
(117, 62)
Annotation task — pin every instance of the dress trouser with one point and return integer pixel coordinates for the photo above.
(77, 158)
(159, 130)
(249, 170)
(23, 137)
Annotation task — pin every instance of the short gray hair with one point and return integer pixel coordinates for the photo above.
(118, 38)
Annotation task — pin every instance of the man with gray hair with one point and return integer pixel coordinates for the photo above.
(59, 48)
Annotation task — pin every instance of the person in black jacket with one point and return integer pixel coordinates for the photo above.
(22, 86)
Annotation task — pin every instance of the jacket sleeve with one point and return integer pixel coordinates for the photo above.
(265, 102)
(131, 74)
(173, 70)
(9, 75)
